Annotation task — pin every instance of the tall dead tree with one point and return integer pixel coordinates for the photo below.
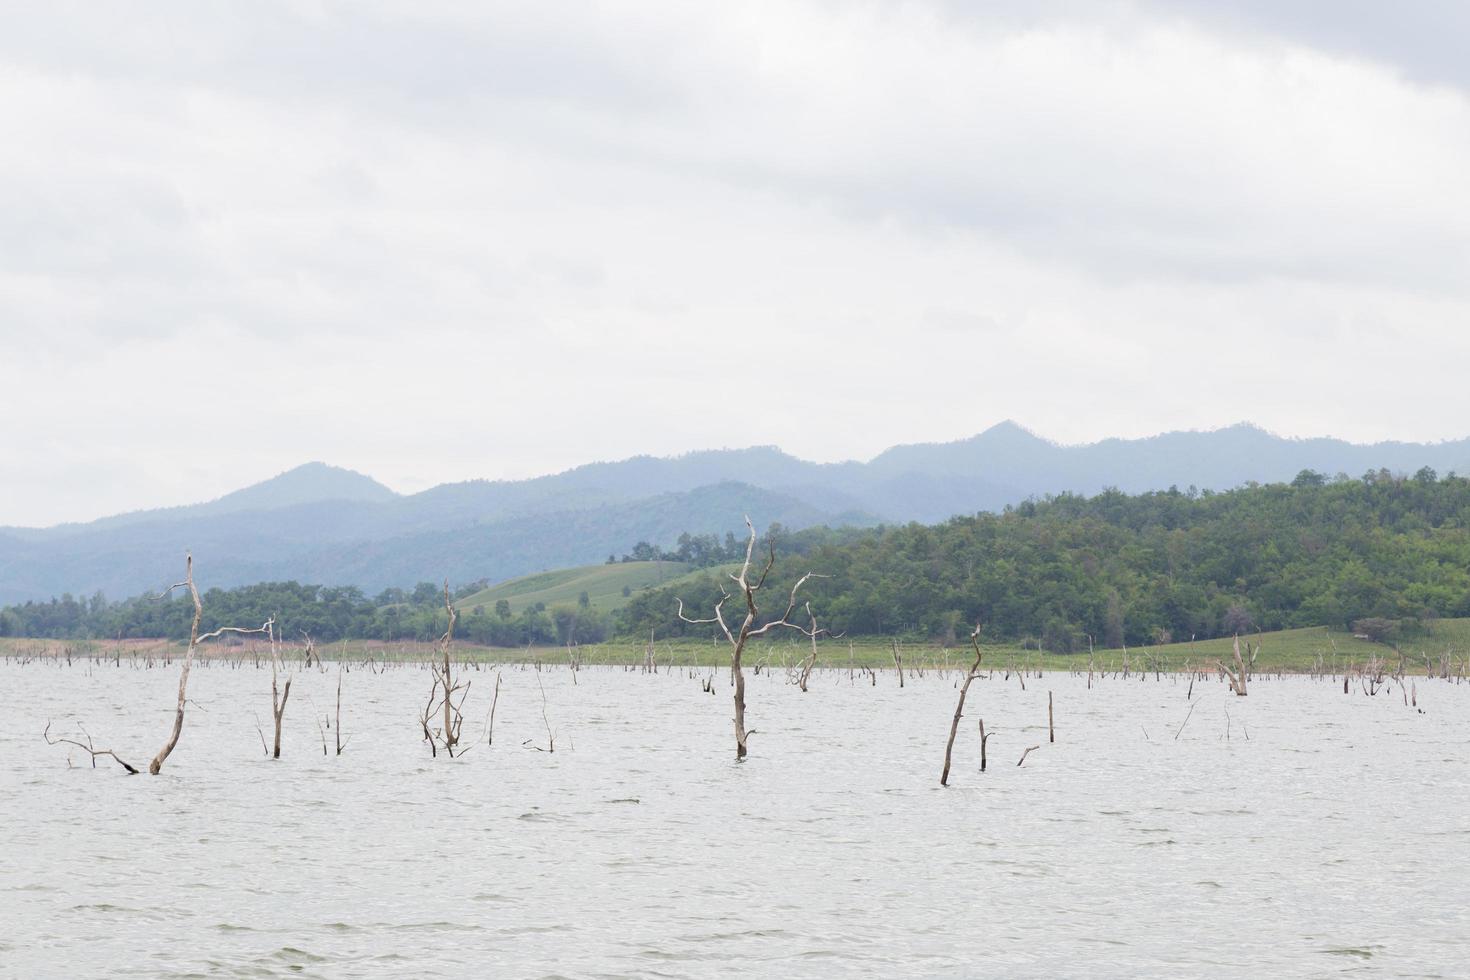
(278, 701)
(195, 638)
(959, 708)
(748, 629)
(443, 691)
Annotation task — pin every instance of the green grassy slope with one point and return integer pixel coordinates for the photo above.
(1299, 649)
(603, 584)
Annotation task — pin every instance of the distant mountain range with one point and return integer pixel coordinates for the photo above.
(320, 523)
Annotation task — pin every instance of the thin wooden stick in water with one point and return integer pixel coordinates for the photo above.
(490, 719)
(340, 744)
(1027, 752)
(1051, 731)
(1186, 720)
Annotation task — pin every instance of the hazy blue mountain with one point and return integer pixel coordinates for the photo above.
(323, 524)
(305, 484)
(344, 542)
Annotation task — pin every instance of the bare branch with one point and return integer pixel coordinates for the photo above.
(87, 748)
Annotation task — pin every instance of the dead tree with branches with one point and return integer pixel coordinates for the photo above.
(748, 630)
(959, 708)
(195, 638)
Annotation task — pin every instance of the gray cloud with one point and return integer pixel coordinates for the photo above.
(1421, 39)
(438, 241)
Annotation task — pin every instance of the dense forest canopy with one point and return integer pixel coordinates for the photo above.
(1115, 567)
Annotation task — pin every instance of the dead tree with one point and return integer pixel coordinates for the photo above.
(278, 701)
(195, 638)
(959, 708)
(441, 694)
(898, 663)
(747, 629)
(811, 660)
(1238, 675)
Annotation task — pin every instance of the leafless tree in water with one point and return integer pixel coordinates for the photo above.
(959, 708)
(748, 630)
(278, 700)
(195, 639)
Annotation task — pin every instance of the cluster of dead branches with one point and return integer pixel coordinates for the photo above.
(441, 694)
(1243, 666)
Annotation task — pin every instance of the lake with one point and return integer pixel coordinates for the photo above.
(1295, 832)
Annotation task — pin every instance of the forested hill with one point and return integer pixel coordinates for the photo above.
(1144, 568)
(1117, 567)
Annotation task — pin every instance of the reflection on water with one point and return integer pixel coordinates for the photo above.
(1326, 836)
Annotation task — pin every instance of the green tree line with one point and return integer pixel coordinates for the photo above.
(1142, 568)
(324, 613)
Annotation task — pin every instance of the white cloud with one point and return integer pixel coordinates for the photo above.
(437, 242)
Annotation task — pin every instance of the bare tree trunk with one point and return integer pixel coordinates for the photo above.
(983, 739)
(898, 663)
(1051, 729)
(959, 709)
(173, 739)
(811, 660)
(278, 704)
(340, 745)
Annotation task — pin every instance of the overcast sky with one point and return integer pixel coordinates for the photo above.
(437, 241)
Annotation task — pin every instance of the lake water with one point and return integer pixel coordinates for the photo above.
(1328, 835)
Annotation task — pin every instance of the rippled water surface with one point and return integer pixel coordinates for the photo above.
(1327, 835)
